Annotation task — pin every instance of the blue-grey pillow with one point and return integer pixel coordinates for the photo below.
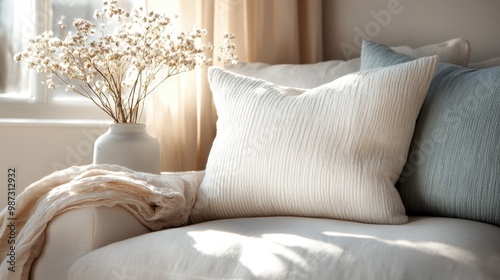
(453, 165)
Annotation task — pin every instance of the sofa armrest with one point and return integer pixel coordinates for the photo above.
(74, 233)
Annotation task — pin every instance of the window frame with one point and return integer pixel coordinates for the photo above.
(40, 103)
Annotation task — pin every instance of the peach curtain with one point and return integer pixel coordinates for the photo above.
(181, 113)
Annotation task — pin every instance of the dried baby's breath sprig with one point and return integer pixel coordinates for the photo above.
(117, 70)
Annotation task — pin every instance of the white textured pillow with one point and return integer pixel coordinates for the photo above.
(298, 75)
(334, 151)
(454, 51)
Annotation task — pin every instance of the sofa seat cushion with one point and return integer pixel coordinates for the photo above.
(302, 248)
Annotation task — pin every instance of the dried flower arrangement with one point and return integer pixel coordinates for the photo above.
(118, 69)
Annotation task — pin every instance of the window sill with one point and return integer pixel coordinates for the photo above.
(54, 122)
(51, 111)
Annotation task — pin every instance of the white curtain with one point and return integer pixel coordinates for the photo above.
(181, 113)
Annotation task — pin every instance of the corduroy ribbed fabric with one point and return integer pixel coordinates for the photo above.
(334, 151)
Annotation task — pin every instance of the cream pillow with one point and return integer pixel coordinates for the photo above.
(298, 75)
(334, 151)
(454, 51)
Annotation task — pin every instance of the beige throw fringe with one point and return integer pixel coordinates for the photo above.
(158, 201)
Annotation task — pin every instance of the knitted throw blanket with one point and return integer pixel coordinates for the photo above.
(158, 201)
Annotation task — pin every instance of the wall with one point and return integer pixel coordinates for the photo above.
(36, 149)
(410, 22)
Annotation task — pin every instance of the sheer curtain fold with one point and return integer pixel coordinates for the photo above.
(181, 113)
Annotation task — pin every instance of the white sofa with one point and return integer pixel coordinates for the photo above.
(452, 232)
(267, 248)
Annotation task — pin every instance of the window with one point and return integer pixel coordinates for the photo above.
(11, 42)
(21, 93)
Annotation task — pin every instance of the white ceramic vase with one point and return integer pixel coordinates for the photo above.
(128, 145)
